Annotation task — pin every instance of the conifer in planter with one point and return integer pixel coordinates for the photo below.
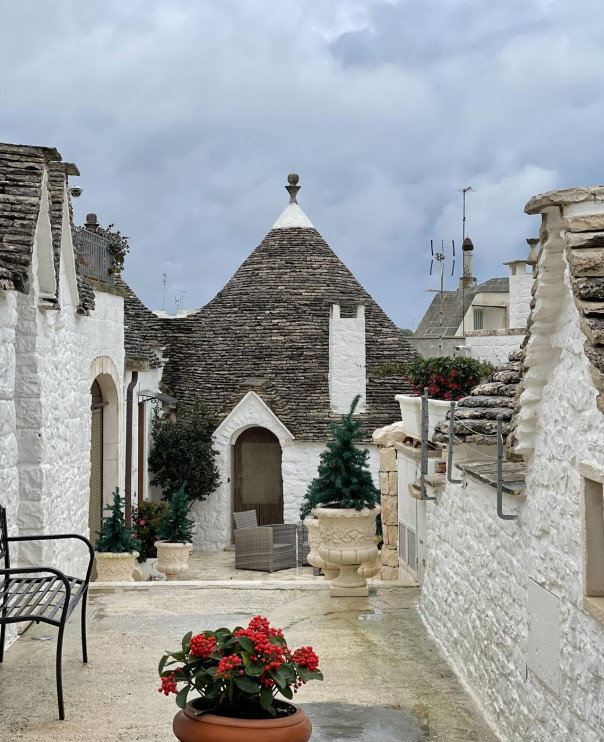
(175, 533)
(116, 547)
(345, 501)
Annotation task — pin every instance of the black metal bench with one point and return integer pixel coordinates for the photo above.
(41, 594)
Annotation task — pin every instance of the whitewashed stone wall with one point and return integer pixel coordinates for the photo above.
(520, 295)
(9, 475)
(347, 370)
(55, 351)
(299, 463)
(475, 594)
(493, 346)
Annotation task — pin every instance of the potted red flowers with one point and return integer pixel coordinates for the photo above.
(238, 675)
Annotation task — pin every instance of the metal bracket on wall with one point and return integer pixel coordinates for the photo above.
(500, 512)
(424, 448)
(450, 447)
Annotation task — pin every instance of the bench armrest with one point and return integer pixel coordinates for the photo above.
(53, 536)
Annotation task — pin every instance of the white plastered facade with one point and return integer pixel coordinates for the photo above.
(506, 598)
(299, 463)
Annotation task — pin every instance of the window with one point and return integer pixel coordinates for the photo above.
(592, 490)
(478, 319)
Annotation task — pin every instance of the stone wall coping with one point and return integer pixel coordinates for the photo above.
(415, 453)
(514, 474)
(496, 333)
(565, 196)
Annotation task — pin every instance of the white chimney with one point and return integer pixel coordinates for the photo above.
(347, 369)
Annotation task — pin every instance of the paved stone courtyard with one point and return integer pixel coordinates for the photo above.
(385, 680)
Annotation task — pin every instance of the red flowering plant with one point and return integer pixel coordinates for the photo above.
(238, 673)
(446, 378)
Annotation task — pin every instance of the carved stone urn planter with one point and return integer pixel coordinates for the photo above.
(371, 568)
(347, 540)
(172, 558)
(115, 567)
(314, 558)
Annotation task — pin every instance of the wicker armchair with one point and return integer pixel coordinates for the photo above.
(303, 545)
(264, 548)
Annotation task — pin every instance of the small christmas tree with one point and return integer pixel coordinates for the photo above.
(176, 527)
(344, 479)
(115, 536)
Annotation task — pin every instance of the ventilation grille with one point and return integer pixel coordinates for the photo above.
(402, 542)
(411, 549)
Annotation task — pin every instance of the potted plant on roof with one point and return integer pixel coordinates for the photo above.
(116, 547)
(238, 676)
(175, 533)
(345, 501)
(446, 379)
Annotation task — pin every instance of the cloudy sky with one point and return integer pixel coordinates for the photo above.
(185, 116)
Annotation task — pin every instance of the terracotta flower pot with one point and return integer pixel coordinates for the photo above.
(314, 558)
(115, 567)
(213, 728)
(172, 559)
(348, 540)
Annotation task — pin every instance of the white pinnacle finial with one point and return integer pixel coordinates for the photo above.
(293, 216)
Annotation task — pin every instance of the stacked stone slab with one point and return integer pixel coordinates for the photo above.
(143, 339)
(389, 501)
(476, 415)
(267, 331)
(21, 177)
(582, 254)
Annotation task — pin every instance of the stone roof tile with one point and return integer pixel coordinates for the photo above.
(271, 322)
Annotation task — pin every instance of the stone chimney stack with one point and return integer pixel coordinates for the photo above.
(467, 281)
(533, 251)
(91, 223)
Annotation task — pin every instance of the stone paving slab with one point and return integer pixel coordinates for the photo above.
(385, 680)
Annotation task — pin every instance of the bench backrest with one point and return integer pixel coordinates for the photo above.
(3, 539)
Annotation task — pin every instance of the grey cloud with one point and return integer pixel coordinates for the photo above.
(185, 118)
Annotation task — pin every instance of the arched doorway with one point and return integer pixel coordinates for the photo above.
(257, 480)
(95, 507)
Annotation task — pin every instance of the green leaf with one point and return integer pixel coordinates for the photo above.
(186, 640)
(162, 663)
(181, 698)
(246, 643)
(287, 692)
(254, 669)
(266, 698)
(247, 685)
(212, 691)
(304, 673)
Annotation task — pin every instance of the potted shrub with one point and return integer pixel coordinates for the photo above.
(345, 501)
(446, 379)
(146, 518)
(175, 533)
(116, 547)
(237, 676)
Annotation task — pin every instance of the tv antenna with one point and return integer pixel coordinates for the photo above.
(178, 301)
(163, 298)
(442, 255)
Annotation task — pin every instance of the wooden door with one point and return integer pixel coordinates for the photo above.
(257, 475)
